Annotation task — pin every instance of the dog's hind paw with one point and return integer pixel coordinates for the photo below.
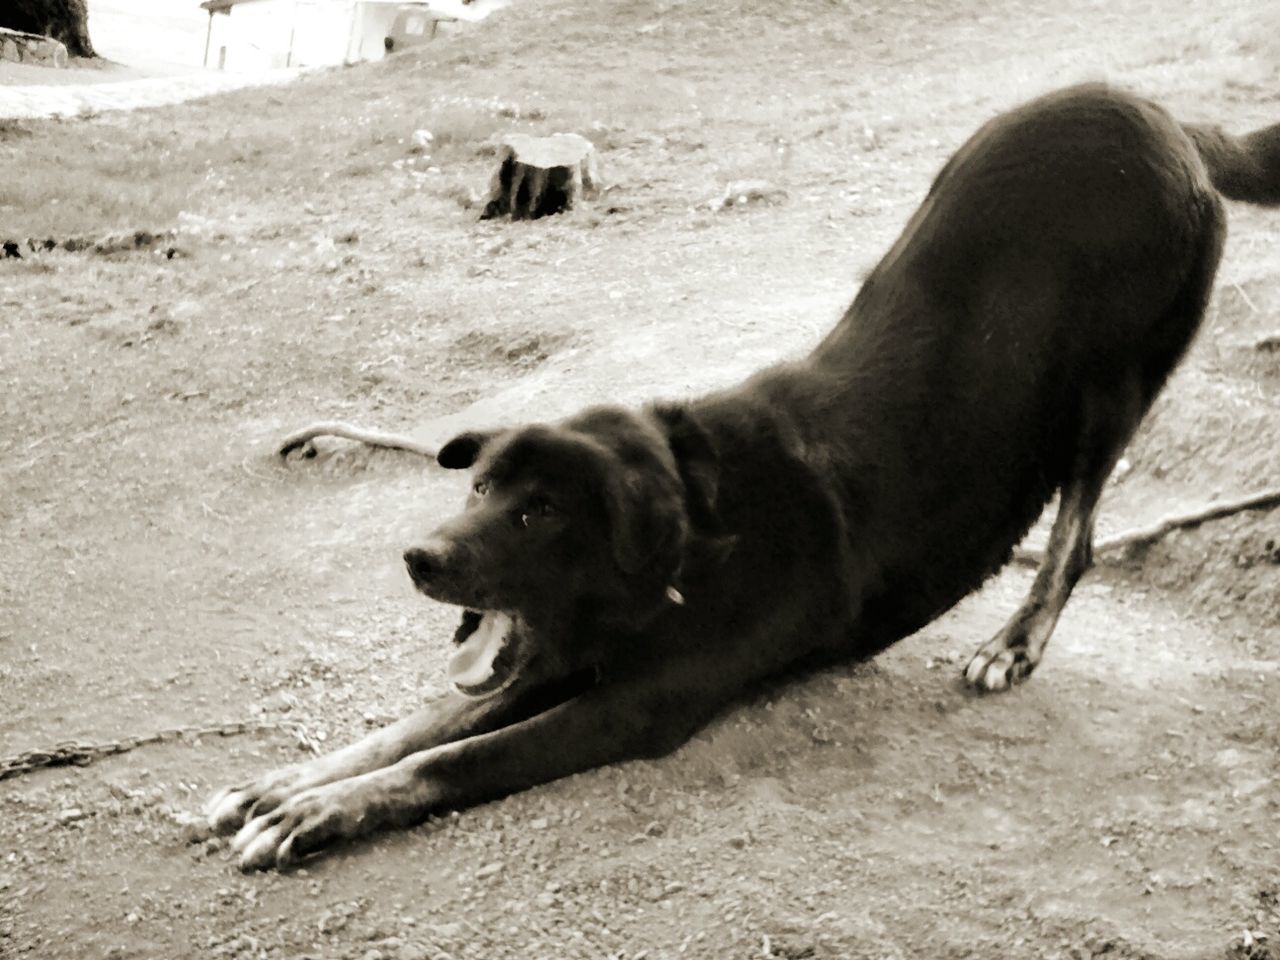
(997, 667)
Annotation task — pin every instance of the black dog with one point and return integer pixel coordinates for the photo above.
(629, 573)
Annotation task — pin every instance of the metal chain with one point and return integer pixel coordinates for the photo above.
(79, 754)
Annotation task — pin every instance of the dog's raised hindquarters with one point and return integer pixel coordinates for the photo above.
(627, 574)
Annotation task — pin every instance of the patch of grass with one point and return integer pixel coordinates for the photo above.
(13, 130)
(61, 182)
(139, 171)
(466, 124)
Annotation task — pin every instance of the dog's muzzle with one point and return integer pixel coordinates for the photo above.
(427, 564)
(486, 660)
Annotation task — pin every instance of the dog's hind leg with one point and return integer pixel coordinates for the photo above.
(1109, 420)
(1110, 410)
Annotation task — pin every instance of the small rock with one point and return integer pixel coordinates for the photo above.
(71, 815)
(331, 922)
(489, 869)
(451, 930)
(423, 138)
(412, 951)
(742, 192)
(539, 823)
(655, 829)
(671, 888)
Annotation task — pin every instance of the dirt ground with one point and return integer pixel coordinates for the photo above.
(160, 567)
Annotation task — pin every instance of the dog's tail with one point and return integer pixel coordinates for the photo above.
(1242, 168)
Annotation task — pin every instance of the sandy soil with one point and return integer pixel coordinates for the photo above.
(161, 568)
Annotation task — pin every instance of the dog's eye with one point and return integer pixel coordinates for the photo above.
(480, 488)
(537, 507)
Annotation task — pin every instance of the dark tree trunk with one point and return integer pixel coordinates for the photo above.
(540, 176)
(65, 20)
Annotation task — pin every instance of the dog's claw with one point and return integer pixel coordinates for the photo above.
(258, 842)
(227, 810)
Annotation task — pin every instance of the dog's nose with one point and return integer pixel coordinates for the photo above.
(426, 562)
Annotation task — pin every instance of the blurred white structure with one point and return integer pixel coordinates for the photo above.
(269, 34)
(156, 36)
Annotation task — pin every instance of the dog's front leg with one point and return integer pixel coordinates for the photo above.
(450, 718)
(593, 729)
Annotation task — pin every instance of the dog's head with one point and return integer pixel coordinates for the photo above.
(568, 527)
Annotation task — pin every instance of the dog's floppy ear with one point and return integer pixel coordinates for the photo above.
(646, 518)
(697, 461)
(461, 452)
(651, 510)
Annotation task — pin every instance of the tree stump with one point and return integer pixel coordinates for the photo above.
(539, 176)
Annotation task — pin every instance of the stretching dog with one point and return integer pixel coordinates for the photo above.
(627, 574)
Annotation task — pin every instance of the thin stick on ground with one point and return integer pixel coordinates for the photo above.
(301, 439)
(1261, 500)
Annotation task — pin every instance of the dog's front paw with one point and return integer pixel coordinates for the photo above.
(233, 807)
(302, 824)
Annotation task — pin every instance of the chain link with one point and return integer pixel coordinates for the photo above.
(79, 754)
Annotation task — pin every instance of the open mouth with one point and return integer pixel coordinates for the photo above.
(488, 659)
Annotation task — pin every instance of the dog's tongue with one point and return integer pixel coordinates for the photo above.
(476, 668)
